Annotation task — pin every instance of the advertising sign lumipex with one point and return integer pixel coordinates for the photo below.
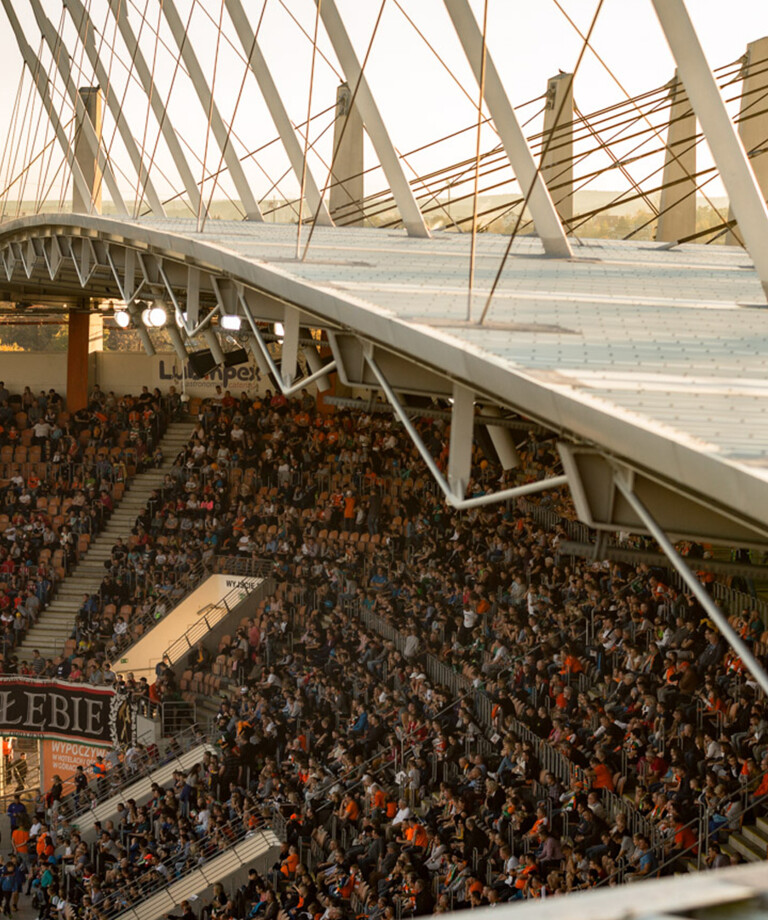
(58, 709)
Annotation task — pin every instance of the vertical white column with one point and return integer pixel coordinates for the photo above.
(195, 71)
(677, 208)
(85, 33)
(753, 115)
(276, 108)
(347, 190)
(118, 8)
(543, 212)
(557, 164)
(402, 192)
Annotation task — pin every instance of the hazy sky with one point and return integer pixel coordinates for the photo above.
(529, 39)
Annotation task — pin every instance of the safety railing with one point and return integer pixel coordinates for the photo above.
(701, 822)
(176, 716)
(549, 758)
(169, 598)
(209, 616)
(220, 838)
(117, 778)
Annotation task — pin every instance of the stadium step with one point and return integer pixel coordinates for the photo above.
(55, 624)
(258, 850)
(756, 837)
(140, 791)
(738, 843)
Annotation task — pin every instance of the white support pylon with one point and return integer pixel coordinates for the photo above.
(42, 84)
(557, 164)
(677, 208)
(120, 14)
(753, 117)
(719, 131)
(86, 127)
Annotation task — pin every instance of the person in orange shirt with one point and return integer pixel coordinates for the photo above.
(378, 801)
(20, 843)
(349, 810)
(290, 863)
(415, 835)
(602, 776)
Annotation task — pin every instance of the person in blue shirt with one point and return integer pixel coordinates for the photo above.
(15, 810)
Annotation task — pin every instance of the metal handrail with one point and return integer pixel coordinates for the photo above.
(192, 580)
(126, 896)
(621, 872)
(215, 613)
(145, 766)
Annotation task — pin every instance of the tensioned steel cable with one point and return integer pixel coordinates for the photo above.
(10, 138)
(306, 34)
(211, 104)
(337, 144)
(626, 124)
(32, 136)
(480, 99)
(384, 204)
(46, 160)
(38, 156)
(439, 57)
(697, 139)
(626, 93)
(537, 173)
(303, 189)
(695, 190)
(660, 108)
(498, 155)
(138, 194)
(246, 71)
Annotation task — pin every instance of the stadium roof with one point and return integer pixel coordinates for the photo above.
(657, 358)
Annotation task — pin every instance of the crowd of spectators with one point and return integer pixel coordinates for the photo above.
(60, 475)
(582, 714)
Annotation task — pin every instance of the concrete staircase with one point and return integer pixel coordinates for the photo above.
(751, 842)
(57, 620)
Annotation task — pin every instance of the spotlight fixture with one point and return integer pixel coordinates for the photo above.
(157, 316)
(230, 322)
(122, 318)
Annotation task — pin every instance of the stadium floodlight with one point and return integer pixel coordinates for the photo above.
(230, 322)
(122, 318)
(157, 315)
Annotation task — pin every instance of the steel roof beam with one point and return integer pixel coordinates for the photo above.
(120, 13)
(43, 86)
(452, 488)
(412, 218)
(274, 102)
(217, 126)
(85, 32)
(730, 157)
(543, 211)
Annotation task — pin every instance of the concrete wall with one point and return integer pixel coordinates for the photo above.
(21, 369)
(123, 372)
